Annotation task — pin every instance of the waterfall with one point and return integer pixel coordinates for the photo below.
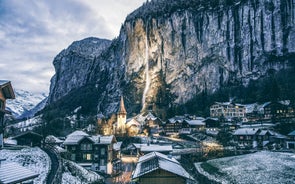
(147, 76)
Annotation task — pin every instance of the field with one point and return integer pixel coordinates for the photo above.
(259, 167)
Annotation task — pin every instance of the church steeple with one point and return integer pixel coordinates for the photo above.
(122, 109)
(121, 118)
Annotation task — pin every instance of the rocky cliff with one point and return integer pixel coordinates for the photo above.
(170, 51)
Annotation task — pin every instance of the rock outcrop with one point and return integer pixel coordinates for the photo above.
(169, 51)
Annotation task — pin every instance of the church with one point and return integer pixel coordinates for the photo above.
(120, 126)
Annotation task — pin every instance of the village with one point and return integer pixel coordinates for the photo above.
(145, 149)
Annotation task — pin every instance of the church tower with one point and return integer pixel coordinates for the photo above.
(121, 118)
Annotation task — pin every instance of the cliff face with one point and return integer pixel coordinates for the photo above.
(169, 51)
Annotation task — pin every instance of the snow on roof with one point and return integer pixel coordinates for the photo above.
(153, 161)
(246, 131)
(156, 147)
(2, 82)
(52, 139)
(264, 132)
(14, 173)
(117, 146)
(250, 108)
(292, 133)
(75, 137)
(99, 139)
(195, 122)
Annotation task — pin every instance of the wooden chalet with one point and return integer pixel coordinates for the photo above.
(161, 169)
(29, 139)
(92, 152)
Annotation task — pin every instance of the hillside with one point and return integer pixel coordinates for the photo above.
(260, 167)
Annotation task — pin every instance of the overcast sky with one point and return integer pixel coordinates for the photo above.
(33, 32)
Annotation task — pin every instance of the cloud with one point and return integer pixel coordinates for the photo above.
(33, 32)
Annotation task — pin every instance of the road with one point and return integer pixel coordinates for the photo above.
(54, 165)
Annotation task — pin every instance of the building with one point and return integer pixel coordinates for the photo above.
(246, 137)
(173, 125)
(29, 139)
(161, 169)
(291, 140)
(191, 126)
(279, 109)
(120, 128)
(92, 152)
(227, 110)
(6, 92)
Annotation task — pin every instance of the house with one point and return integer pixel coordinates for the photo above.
(227, 110)
(133, 127)
(162, 169)
(29, 139)
(173, 125)
(192, 125)
(92, 152)
(278, 109)
(246, 137)
(291, 141)
(6, 92)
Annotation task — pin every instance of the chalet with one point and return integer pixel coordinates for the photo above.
(291, 140)
(133, 127)
(150, 122)
(29, 139)
(92, 152)
(227, 110)
(6, 92)
(279, 109)
(162, 169)
(246, 137)
(194, 125)
(173, 125)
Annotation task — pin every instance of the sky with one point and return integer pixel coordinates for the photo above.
(33, 32)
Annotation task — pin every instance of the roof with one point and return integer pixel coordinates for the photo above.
(264, 132)
(156, 147)
(195, 122)
(292, 133)
(28, 133)
(53, 139)
(153, 161)
(122, 109)
(14, 173)
(246, 131)
(7, 89)
(117, 146)
(75, 137)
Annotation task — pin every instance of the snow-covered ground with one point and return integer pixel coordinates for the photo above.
(32, 158)
(260, 167)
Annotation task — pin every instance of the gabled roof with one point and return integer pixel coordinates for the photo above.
(153, 161)
(292, 133)
(246, 131)
(7, 90)
(14, 173)
(33, 134)
(156, 147)
(75, 137)
(195, 122)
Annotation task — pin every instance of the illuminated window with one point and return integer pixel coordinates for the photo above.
(87, 156)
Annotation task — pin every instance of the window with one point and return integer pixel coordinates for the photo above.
(86, 146)
(73, 148)
(87, 156)
(102, 151)
(73, 157)
(102, 162)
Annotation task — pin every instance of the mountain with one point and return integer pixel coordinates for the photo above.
(26, 104)
(172, 54)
